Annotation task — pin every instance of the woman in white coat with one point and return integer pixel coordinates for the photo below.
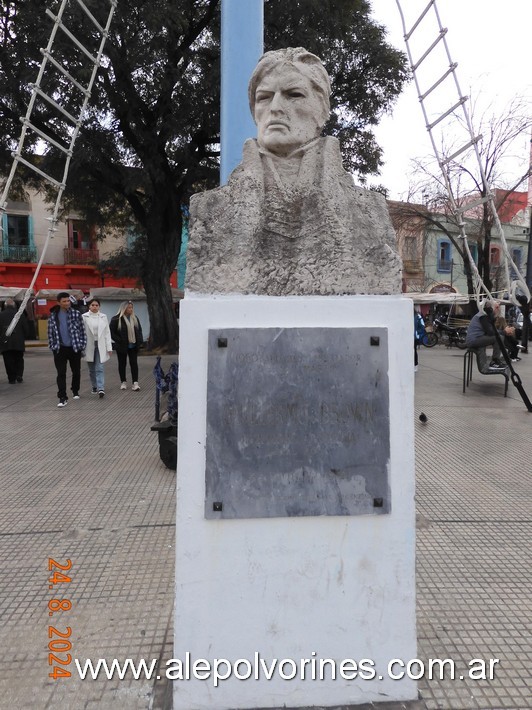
(99, 346)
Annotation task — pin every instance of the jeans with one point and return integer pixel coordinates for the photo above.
(96, 371)
(483, 341)
(61, 358)
(122, 362)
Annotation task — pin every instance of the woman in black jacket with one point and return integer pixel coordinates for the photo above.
(126, 333)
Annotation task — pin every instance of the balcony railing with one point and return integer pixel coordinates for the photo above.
(18, 254)
(81, 256)
(411, 264)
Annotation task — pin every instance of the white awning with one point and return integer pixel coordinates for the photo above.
(427, 298)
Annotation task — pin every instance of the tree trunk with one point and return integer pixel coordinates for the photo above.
(164, 240)
(163, 319)
(163, 225)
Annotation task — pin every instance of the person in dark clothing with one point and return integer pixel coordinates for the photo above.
(509, 336)
(13, 351)
(126, 333)
(419, 333)
(67, 340)
(481, 333)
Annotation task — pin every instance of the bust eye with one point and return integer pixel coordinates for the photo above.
(260, 98)
(296, 94)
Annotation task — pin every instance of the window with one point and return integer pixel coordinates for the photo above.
(131, 238)
(473, 248)
(410, 249)
(18, 232)
(517, 256)
(444, 256)
(17, 242)
(79, 235)
(495, 256)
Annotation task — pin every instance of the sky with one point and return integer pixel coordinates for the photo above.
(492, 44)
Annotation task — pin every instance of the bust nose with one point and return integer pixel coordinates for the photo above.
(277, 103)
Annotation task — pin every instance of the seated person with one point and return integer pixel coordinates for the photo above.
(481, 333)
(510, 337)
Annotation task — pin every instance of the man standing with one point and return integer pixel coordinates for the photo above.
(13, 352)
(67, 341)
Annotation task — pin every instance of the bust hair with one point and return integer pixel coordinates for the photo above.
(307, 64)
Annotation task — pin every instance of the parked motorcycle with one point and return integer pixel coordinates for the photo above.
(446, 334)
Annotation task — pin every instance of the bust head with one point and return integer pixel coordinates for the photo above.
(289, 99)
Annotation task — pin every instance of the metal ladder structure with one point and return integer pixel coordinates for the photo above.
(70, 123)
(428, 81)
(437, 120)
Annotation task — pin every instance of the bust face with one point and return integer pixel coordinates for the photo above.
(288, 111)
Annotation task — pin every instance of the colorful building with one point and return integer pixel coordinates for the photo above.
(72, 256)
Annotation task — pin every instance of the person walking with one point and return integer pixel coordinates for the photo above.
(67, 341)
(126, 333)
(99, 346)
(13, 350)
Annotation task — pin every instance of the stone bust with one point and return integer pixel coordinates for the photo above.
(290, 220)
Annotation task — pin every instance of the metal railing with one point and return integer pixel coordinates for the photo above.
(81, 256)
(445, 265)
(19, 254)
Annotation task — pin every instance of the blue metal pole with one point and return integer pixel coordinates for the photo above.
(242, 45)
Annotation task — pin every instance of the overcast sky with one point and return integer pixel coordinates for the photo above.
(492, 43)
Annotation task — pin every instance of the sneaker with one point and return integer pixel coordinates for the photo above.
(123, 386)
(494, 365)
(20, 379)
(76, 396)
(94, 390)
(101, 394)
(62, 403)
(520, 347)
(136, 387)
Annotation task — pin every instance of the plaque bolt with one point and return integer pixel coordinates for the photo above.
(222, 342)
(377, 502)
(374, 340)
(218, 506)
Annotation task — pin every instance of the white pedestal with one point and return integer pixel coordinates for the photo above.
(328, 587)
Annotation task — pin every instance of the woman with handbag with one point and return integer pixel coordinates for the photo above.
(126, 333)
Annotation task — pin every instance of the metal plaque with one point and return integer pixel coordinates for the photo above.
(297, 422)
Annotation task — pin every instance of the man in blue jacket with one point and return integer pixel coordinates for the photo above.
(67, 341)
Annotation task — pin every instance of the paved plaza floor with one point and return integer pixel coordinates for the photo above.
(85, 484)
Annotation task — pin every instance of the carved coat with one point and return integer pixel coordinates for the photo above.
(292, 226)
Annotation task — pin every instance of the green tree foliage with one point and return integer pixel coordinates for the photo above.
(150, 138)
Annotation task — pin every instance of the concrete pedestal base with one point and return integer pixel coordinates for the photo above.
(293, 612)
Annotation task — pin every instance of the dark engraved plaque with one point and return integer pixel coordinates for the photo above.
(297, 422)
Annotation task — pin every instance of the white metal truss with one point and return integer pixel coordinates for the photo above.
(71, 122)
(431, 94)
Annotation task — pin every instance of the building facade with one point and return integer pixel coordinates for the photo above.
(427, 243)
(72, 256)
